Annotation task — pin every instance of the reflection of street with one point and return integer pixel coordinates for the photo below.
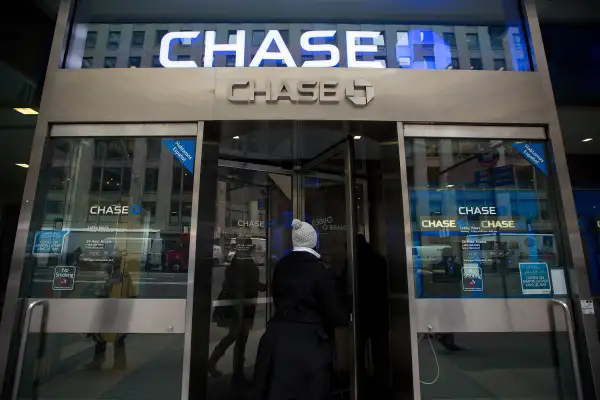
(152, 284)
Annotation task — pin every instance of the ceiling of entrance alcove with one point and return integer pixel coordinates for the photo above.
(361, 11)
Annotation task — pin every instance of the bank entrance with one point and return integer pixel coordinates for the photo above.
(327, 174)
(125, 265)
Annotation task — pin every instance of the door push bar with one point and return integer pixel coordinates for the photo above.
(572, 346)
(24, 338)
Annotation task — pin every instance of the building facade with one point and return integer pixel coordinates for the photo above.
(174, 137)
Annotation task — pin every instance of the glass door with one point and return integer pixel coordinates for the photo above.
(489, 273)
(107, 261)
(329, 204)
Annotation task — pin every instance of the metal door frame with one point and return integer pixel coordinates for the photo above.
(519, 320)
(127, 315)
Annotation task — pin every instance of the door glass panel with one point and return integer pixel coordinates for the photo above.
(99, 366)
(262, 183)
(111, 219)
(483, 221)
(493, 365)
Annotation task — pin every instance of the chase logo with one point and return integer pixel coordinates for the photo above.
(360, 92)
(116, 209)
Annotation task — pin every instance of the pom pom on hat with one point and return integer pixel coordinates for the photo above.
(303, 234)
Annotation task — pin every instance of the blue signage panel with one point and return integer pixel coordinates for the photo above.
(46, 243)
(534, 153)
(535, 278)
(183, 150)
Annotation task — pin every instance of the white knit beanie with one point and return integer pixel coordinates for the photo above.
(303, 234)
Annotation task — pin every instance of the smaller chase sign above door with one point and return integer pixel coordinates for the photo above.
(359, 92)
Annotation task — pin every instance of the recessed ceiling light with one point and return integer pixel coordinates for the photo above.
(450, 186)
(588, 139)
(26, 111)
(236, 137)
(22, 165)
(357, 137)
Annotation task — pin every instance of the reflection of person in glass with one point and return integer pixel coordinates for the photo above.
(294, 359)
(448, 269)
(120, 285)
(240, 288)
(373, 314)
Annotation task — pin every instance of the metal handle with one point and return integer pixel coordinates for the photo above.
(572, 345)
(23, 343)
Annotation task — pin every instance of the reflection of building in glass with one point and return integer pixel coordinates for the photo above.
(106, 173)
(476, 203)
(404, 46)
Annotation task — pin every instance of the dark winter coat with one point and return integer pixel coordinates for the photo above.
(294, 359)
(241, 283)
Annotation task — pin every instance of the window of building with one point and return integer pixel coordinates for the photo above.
(174, 214)
(517, 41)
(54, 207)
(186, 213)
(116, 179)
(497, 37)
(153, 148)
(188, 181)
(114, 149)
(285, 35)
(114, 38)
(379, 40)
(499, 64)
(156, 62)
(90, 40)
(230, 60)
(477, 64)
(232, 37)
(87, 62)
(159, 35)
(473, 41)
(137, 39)
(151, 180)
(257, 37)
(402, 38)
(523, 64)
(450, 39)
(454, 64)
(183, 57)
(134, 62)
(429, 62)
(404, 62)
(307, 57)
(176, 182)
(427, 37)
(110, 62)
(185, 41)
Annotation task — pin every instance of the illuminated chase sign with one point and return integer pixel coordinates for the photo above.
(273, 40)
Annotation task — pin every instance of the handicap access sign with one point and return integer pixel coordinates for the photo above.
(535, 278)
(47, 243)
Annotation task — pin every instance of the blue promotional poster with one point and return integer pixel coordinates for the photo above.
(183, 150)
(47, 243)
(535, 278)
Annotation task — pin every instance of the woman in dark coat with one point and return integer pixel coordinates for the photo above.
(295, 355)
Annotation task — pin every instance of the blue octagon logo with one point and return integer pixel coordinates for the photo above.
(135, 209)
